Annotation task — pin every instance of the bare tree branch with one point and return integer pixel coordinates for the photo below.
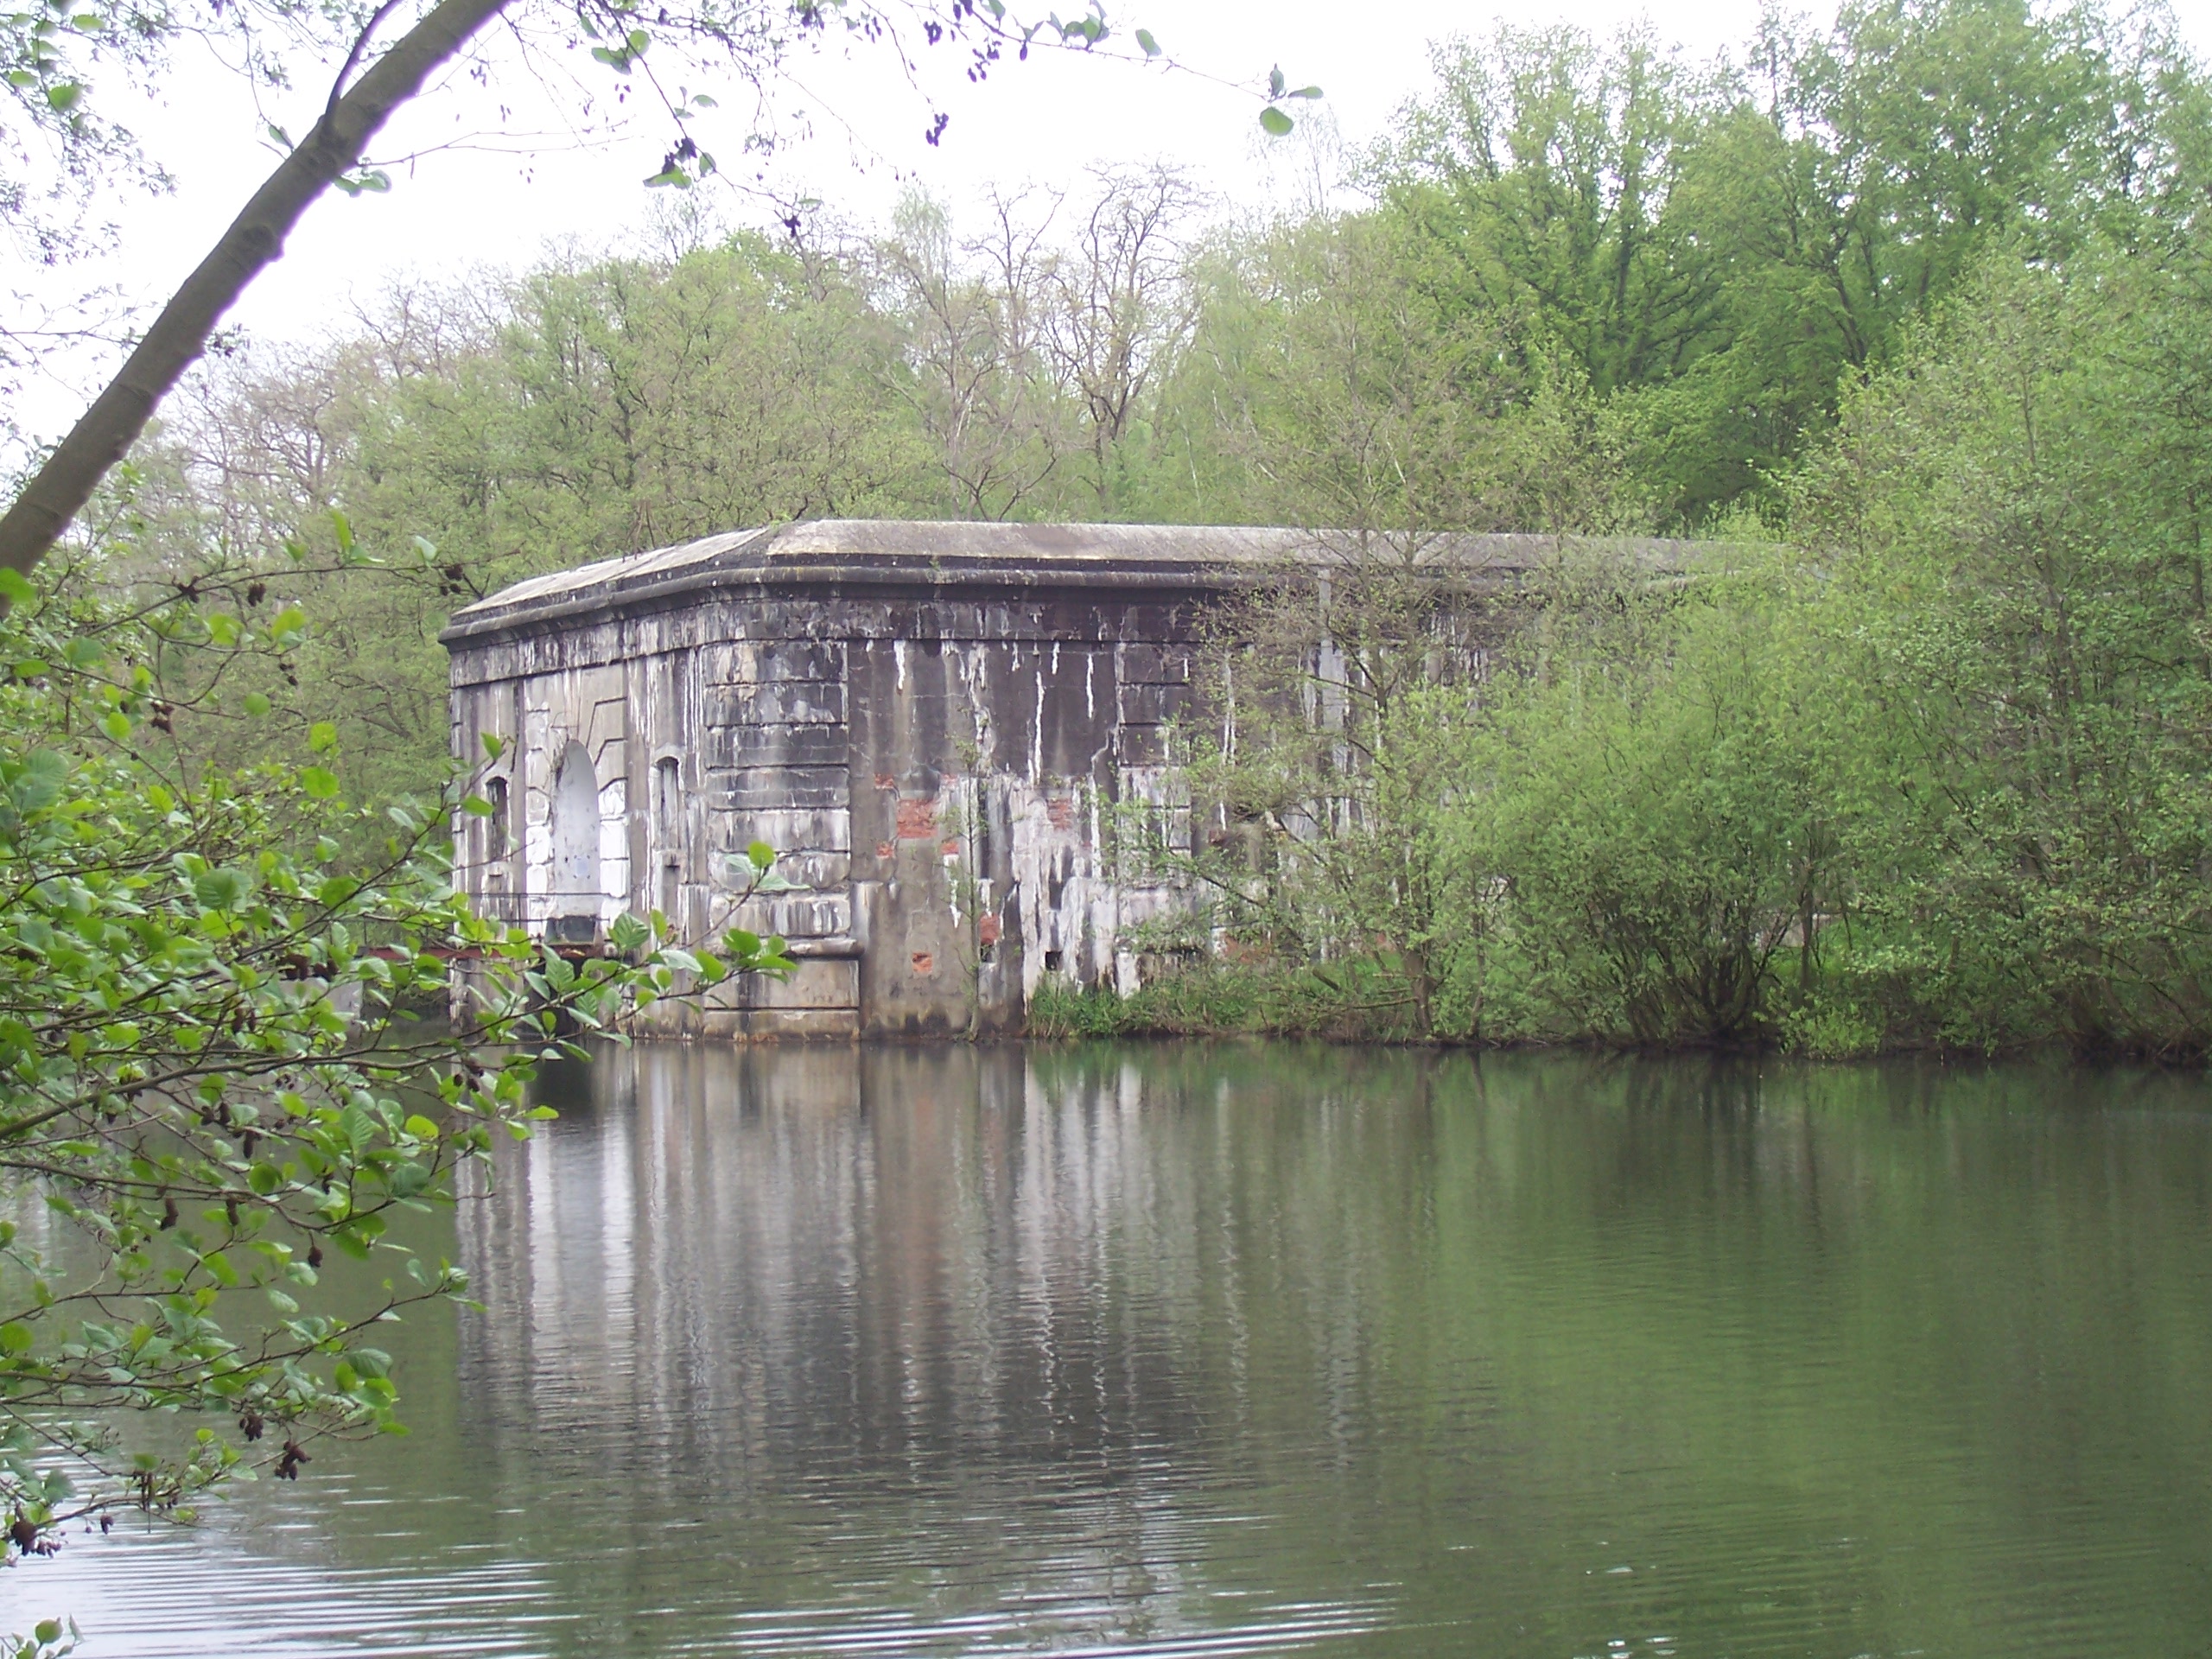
(255, 239)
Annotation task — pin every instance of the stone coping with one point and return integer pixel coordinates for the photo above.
(911, 555)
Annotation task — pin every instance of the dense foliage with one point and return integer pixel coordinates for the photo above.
(1936, 770)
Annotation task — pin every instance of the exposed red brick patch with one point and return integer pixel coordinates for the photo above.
(883, 849)
(925, 963)
(916, 820)
(951, 849)
(1061, 810)
(885, 781)
(987, 929)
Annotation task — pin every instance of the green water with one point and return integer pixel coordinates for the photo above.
(1194, 1349)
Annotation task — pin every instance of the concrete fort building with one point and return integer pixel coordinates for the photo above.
(933, 724)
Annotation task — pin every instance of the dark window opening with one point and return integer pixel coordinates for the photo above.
(668, 800)
(495, 824)
(1052, 962)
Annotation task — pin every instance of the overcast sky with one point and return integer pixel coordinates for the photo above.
(518, 180)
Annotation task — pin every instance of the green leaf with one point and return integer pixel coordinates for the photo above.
(16, 1338)
(323, 737)
(15, 588)
(63, 99)
(761, 855)
(1274, 123)
(1151, 46)
(39, 781)
(319, 784)
(1275, 82)
(255, 704)
(224, 889)
(494, 746)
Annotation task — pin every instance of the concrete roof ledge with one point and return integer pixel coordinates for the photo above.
(871, 553)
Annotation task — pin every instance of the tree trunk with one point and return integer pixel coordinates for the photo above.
(104, 434)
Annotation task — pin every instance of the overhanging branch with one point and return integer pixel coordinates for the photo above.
(104, 434)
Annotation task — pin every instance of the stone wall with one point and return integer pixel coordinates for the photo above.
(943, 729)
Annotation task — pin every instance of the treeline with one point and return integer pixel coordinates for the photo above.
(1912, 315)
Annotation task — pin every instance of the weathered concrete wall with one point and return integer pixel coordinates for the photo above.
(944, 730)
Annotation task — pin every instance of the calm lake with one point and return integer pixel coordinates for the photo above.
(1193, 1350)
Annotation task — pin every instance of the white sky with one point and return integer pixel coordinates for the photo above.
(1043, 120)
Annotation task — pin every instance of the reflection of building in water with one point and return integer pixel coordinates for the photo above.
(837, 1279)
(850, 1275)
(726, 1238)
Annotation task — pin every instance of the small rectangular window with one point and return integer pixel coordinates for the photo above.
(668, 800)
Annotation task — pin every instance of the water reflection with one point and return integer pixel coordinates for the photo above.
(937, 1314)
(1189, 1350)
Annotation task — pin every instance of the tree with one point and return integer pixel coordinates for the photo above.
(1724, 246)
(1354, 399)
(1120, 305)
(2015, 527)
(976, 373)
(214, 1063)
(1386, 428)
(64, 482)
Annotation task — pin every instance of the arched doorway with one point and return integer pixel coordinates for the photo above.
(573, 894)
